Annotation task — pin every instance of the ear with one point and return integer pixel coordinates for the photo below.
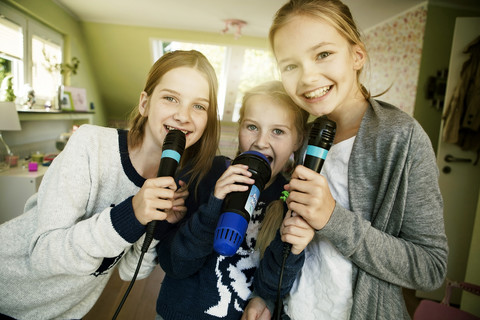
(142, 104)
(359, 56)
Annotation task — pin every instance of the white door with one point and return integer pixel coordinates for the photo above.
(459, 181)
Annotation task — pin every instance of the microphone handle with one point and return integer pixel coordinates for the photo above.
(321, 139)
(167, 168)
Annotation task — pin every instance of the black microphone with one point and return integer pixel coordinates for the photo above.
(238, 206)
(172, 150)
(321, 136)
(320, 140)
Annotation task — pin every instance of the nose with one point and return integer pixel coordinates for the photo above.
(262, 140)
(182, 114)
(309, 74)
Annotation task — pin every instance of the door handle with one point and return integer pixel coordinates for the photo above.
(450, 158)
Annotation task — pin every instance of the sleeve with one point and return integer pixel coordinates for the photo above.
(184, 251)
(129, 263)
(73, 231)
(267, 275)
(414, 255)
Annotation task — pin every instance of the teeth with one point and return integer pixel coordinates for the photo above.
(173, 128)
(317, 93)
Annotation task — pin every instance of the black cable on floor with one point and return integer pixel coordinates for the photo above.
(130, 286)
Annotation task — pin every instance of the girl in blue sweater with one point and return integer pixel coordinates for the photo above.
(199, 283)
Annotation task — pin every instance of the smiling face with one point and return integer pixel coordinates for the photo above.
(179, 102)
(318, 66)
(268, 127)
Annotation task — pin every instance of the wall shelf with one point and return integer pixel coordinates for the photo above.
(55, 115)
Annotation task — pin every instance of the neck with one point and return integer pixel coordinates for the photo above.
(348, 119)
(145, 162)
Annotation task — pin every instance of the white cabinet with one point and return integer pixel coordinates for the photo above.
(16, 186)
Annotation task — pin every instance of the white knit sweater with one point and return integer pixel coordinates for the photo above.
(56, 258)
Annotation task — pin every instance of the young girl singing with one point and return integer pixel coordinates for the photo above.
(199, 283)
(101, 191)
(376, 208)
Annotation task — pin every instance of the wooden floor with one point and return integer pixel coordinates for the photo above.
(140, 304)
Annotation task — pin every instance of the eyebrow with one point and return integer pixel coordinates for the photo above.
(276, 126)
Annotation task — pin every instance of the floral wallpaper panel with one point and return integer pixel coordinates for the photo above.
(395, 49)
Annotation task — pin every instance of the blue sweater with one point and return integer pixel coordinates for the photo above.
(199, 283)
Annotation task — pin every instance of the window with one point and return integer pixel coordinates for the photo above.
(238, 69)
(30, 55)
(11, 54)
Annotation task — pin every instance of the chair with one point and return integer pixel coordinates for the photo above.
(428, 309)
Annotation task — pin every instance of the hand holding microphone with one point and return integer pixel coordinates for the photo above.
(238, 205)
(296, 232)
(310, 196)
(172, 150)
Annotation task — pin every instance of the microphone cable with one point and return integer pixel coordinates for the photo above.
(130, 286)
(287, 247)
(172, 150)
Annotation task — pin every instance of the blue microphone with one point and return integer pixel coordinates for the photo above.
(238, 206)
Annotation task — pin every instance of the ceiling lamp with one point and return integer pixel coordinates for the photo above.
(236, 24)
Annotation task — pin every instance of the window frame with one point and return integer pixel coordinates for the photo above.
(230, 77)
(31, 27)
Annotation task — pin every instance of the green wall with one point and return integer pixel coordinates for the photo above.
(121, 56)
(114, 59)
(75, 46)
(437, 45)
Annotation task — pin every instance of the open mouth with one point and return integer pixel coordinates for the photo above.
(270, 159)
(320, 92)
(169, 128)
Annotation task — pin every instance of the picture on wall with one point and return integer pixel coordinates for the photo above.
(78, 98)
(66, 101)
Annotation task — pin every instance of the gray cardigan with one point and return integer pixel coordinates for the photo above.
(394, 234)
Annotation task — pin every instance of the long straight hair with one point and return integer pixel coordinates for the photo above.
(201, 154)
(334, 12)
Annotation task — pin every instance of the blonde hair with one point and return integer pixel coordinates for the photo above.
(275, 90)
(334, 12)
(274, 212)
(201, 154)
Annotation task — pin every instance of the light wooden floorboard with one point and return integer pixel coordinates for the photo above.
(140, 303)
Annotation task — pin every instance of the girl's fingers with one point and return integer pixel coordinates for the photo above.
(160, 182)
(235, 179)
(154, 199)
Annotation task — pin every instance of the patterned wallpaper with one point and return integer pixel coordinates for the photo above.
(395, 49)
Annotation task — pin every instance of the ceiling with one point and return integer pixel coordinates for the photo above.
(209, 15)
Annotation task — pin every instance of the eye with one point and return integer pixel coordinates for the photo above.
(323, 55)
(278, 132)
(251, 127)
(170, 99)
(290, 67)
(199, 107)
